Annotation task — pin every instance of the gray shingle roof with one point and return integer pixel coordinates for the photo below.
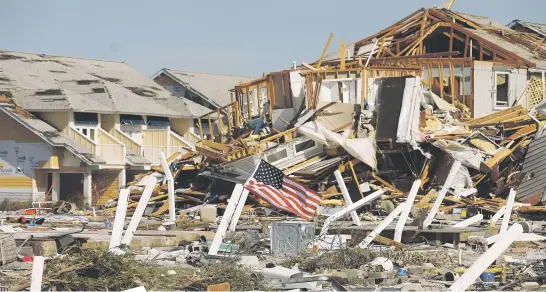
(537, 27)
(43, 83)
(212, 86)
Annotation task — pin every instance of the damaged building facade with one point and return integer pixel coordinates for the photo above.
(81, 127)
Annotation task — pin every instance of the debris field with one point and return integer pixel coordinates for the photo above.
(376, 166)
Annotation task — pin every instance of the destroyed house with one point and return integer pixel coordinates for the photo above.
(463, 65)
(476, 64)
(81, 126)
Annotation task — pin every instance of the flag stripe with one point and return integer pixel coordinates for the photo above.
(299, 196)
(312, 195)
(287, 200)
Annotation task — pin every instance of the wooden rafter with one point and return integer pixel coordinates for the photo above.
(415, 14)
(324, 51)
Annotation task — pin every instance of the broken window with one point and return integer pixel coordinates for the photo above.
(158, 121)
(304, 146)
(501, 89)
(131, 120)
(86, 119)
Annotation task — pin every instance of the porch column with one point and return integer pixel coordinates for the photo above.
(55, 190)
(122, 179)
(88, 188)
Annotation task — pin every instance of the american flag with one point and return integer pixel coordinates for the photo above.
(270, 184)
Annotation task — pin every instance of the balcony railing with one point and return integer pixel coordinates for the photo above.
(107, 147)
(128, 141)
(82, 139)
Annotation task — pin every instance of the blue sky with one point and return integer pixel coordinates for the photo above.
(240, 37)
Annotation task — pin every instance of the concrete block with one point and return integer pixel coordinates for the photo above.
(411, 287)
(389, 282)
(416, 270)
(249, 261)
(208, 213)
(46, 248)
(26, 251)
(380, 275)
(341, 277)
(530, 286)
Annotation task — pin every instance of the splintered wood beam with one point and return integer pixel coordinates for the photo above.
(342, 55)
(392, 187)
(451, 40)
(466, 44)
(441, 81)
(422, 31)
(474, 45)
(324, 51)
(448, 6)
(452, 83)
(308, 66)
(415, 14)
(420, 39)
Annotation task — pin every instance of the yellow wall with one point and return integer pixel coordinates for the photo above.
(181, 126)
(105, 186)
(16, 182)
(155, 137)
(41, 180)
(58, 120)
(108, 122)
(11, 130)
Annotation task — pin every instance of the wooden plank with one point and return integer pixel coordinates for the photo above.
(301, 165)
(219, 287)
(200, 128)
(388, 241)
(161, 210)
(451, 40)
(386, 183)
(309, 67)
(466, 44)
(441, 81)
(319, 63)
(497, 158)
(342, 55)
(524, 131)
(496, 116)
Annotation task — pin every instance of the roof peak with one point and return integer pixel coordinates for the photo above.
(207, 73)
(59, 56)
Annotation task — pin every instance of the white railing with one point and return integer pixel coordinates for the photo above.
(110, 148)
(128, 141)
(81, 139)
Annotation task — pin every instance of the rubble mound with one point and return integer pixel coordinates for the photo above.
(99, 270)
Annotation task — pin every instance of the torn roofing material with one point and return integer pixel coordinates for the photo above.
(50, 134)
(52, 83)
(538, 28)
(533, 184)
(214, 88)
